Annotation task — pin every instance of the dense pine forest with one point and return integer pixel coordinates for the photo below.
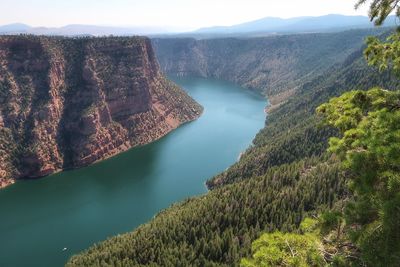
(286, 176)
(294, 131)
(298, 202)
(218, 228)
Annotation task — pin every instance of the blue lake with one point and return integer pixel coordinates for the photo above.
(74, 209)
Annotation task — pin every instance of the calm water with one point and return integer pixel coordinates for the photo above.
(75, 209)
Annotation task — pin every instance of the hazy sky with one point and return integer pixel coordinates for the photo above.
(184, 14)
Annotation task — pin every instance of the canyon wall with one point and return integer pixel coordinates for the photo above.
(274, 65)
(68, 102)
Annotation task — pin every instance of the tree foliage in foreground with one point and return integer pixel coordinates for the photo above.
(380, 9)
(370, 149)
(383, 54)
(287, 249)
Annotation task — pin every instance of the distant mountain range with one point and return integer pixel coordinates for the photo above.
(325, 23)
(79, 29)
(264, 26)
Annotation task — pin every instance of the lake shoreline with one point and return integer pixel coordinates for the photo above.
(125, 191)
(5, 182)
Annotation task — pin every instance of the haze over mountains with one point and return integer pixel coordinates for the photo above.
(332, 22)
(79, 29)
(268, 25)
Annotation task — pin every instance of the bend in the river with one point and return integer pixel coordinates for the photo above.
(74, 209)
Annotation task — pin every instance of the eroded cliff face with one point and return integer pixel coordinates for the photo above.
(274, 65)
(66, 103)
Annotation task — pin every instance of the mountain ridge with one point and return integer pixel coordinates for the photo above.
(262, 26)
(274, 25)
(79, 29)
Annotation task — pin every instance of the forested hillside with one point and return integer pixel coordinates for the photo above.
(270, 65)
(293, 130)
(285, 176)
(217, 229)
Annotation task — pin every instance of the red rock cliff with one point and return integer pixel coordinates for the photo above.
(66, 103)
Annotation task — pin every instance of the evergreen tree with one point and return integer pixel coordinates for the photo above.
(385, 54)
(287, 249)
(370, 149)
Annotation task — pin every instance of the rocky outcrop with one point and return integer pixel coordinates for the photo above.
(68, 102)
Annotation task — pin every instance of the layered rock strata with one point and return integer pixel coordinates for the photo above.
(68, 102)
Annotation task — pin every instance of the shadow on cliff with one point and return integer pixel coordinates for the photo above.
(29, 65)
(74, 104)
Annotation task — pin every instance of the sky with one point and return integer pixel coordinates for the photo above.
(174, 15)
